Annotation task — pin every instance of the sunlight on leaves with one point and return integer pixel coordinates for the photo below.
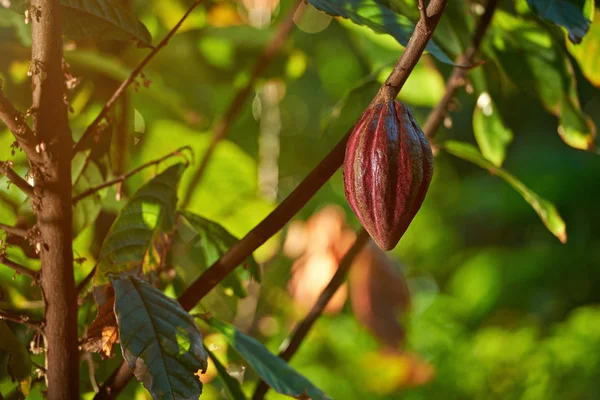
(492, 136)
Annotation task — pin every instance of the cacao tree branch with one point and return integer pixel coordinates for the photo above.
(53, 183)
(302, 329)
(294, 202)
(15, 122)
(458, 75)
(221, 127)
(18, 268)
(21, 319)
(121, 89)
(5, 168)
(13, 230)
(122, 178)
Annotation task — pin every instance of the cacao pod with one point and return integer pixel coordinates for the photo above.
(387, 170)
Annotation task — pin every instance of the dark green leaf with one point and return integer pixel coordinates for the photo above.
(19, 362)
(272, 369)
(546, 210)
(159, 340)
(151, 209)
(490, 132)
(566, 13)
(233, 386)
(379, 18)
(96, 19)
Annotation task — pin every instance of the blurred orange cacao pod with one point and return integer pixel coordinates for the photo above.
(387, 170)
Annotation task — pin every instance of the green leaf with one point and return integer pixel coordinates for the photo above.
(566, 13)
(379, 18)
(151, 209)
(546, 210)
(96, 19)
(231, 384)
(19, 361)
(85, 174)
(272, 369)
(159, 340)
(587, 54)
(491, 134)
(214, 241)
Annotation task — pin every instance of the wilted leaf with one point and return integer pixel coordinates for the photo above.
(231, 384)
(272, 369)
(566, 13)
(159, 340)
(19, 361)
(546, 210)
(96, 19)
(586, 53)
(379, 18)
(151, 209)
(490, 132)
(379, 295)
(104, 331)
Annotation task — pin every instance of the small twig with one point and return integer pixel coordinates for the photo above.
(302, 329)
(13, 230)
(21, 319)
(86, 280)
(459, 73)
(119, 179)
(5, 168)
(18, 268)
(221, 128)
(16, 123)
(423, 12)
(121, 89)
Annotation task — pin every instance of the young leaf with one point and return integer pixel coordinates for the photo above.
(95, 19)
(567, 13)
(159, 340)
(151, 209)
(233, 386)
(546, 210)
(491, 134)
(272, 369)
(379, 18)
(19, 362)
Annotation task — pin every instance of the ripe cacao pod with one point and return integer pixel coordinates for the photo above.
(387, 170)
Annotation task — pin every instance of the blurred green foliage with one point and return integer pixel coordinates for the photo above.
(502, 309)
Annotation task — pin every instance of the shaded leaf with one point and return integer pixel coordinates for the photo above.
(379, 18)
(586, 53)
(19, 361)
(104, 331)
(567, 13)
(272, 369)
(151, 209)
(231, 384)
(96, 19)
(86, 174)
(546, 210)
(159, 340)
(490, 132)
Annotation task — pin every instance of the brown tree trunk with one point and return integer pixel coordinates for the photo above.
(52, 173)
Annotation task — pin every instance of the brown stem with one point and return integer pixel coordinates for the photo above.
(21, 319)
(119, 179)
(18, 268)
(121, 89)
(16, 123)
(306, 324)
(13, 230)
(294, 202)
(54, 205)
(459, 73)
(16, 179)
(221, 128)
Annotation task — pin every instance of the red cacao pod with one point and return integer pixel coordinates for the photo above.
(387, 170)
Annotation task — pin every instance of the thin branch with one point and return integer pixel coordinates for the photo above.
(296, 200)
(16, 123)
(221, 128)
(423, 13)
(457, 78)
(119, 179)
(13, 230)
(121, 89)
(86, 280)
(21, 319)
(302, 329)
(5, 168)
(18, 268)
